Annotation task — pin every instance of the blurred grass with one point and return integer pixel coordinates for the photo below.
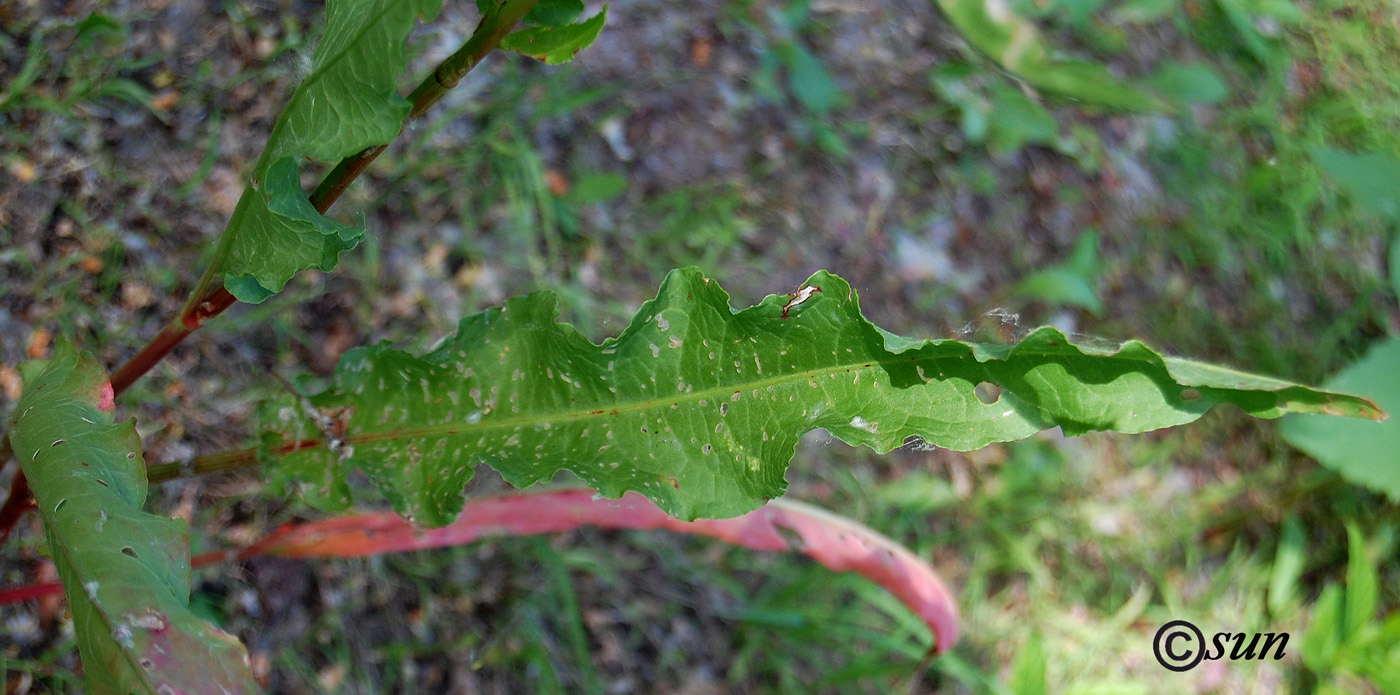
(1220, 237)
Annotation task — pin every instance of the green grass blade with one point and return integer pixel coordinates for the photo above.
(700, 408)
(126, 572)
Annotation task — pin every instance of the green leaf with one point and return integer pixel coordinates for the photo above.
(556, 44)
(1144, 11)
(348, 102)
(1362, 585)
(280, 233)
(1289, 561)
(1369, 179)
(97, 25)
(1015, 43)
(1395, 264)
(808, 80)
(554, 13)
(1073, 283)
(1028, 668)
(596, 187)
(1189, 84)
(1238, 13)
(1324, 635)
(1365, 453)
(1016, 121)
(126, 572)
(699, 407)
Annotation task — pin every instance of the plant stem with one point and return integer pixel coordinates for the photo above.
(493, 27)
(221, 462)
(498, 22)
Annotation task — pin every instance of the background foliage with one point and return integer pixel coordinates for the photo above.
(1240, 223)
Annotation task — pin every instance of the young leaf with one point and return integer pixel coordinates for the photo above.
(1073, 283)
(556, 44)
(126, 572)
(348, 102)
(699, 407)
(1015, 43)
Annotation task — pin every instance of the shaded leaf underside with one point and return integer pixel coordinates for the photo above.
(699, 407)
(126, 573)
(837, 542)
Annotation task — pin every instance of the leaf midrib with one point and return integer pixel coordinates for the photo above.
(513, 421)
(712, 393)
(63, 549)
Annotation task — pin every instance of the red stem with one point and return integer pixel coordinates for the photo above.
(19, 502)
(494, 27)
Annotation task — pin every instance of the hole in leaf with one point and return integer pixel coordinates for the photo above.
(130, 552)
(57, 442)
(793, 539)
(103, 483)
(60, 504)
(1190, 394)
(987, 392)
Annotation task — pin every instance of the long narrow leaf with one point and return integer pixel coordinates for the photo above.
(699, 407)
(126, 572)
(837, 542)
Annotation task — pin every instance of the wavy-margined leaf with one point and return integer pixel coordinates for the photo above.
(556, 44)
(699, 407)
(348, 102)
(994, 28)
(126, 572)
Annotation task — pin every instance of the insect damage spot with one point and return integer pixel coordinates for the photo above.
(987, 392)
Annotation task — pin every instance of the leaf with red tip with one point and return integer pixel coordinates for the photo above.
(837, 542)
(126, 572)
